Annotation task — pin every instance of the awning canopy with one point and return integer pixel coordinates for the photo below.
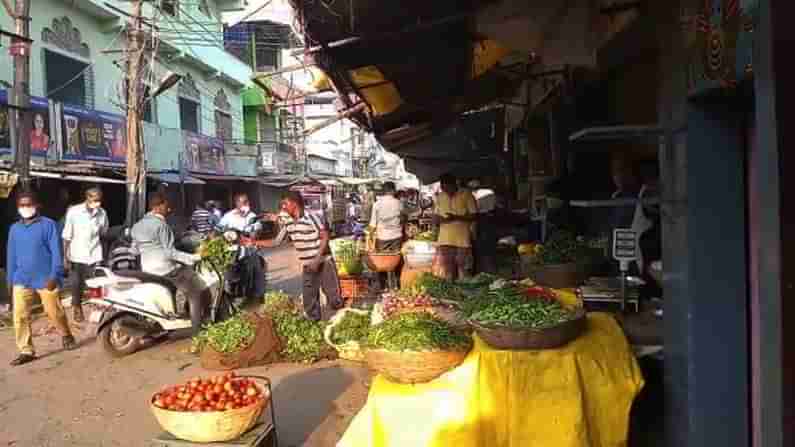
(286, 180)
(170, 177)
(76, 177)
(254, 97)
(225, 178)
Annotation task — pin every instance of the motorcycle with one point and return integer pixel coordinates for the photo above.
(135, 307)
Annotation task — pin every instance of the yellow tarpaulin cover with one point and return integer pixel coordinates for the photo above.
(577, 396)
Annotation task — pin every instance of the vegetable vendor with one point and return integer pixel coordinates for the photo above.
(310, 238)
(455, 212)
(387, 218)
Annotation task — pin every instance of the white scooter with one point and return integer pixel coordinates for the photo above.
(137, 307)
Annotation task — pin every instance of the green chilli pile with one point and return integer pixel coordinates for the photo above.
(229, 336)
(435, 287)
(515, 307)
(416, 332)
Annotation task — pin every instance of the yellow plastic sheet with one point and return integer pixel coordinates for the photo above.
(577, 396)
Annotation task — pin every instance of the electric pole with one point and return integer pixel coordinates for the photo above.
(136, 171)
(20, 115)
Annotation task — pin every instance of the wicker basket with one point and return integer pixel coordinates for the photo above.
(500, 337)
(383, 262)
(355, 287)
(413, 366)
(211, 426)
(557, 276)
(349, 351)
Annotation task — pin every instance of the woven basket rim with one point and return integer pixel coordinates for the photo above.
(261, 403)
(578, 314)
(434, 351)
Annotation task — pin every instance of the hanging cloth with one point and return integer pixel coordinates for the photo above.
(640, 224)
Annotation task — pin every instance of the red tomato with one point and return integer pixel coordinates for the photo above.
(230, 406)
(251, 391)
(220, 406)
(170, 400)
(228, 386)
(209, 395)
(218, 389)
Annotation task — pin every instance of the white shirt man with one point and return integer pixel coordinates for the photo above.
(387, 218)
(241, 218)
(84, 226)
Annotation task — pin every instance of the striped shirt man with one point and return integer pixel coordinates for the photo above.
(305, 235)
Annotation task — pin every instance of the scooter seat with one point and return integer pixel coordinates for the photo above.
(149, 278)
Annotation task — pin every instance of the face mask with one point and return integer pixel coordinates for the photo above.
(245, 209)
(27, 212)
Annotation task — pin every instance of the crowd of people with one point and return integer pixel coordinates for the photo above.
(42, 252)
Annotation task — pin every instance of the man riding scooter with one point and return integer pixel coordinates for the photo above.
(154, 240)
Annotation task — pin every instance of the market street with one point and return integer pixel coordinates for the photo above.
(83, 398)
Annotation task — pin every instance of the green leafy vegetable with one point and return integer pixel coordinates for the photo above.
(302, 338)
(353, 327)
(416, 332)
(232, 335)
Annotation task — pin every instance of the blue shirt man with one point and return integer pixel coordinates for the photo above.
(34, 253)
(35, 264)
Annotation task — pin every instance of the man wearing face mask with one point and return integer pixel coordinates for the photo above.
(241, 218)
(84, 227)
(35, 265)
(154, 240)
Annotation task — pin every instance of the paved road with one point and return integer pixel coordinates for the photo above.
(82, 398)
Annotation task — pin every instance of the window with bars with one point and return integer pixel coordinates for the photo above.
(189, 115)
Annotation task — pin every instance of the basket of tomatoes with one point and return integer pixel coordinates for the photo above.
(215, 409)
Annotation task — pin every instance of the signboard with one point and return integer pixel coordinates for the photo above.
(267, 160)
(625, 245)
(204, 154)
(93, 136)
(40, 126)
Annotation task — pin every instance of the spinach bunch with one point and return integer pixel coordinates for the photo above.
(229, 336)
(352, 327)
(416, 332)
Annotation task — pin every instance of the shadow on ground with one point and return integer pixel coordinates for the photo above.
(317, 389)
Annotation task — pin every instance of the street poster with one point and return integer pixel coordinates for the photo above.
(40, 126)
(90, 135)
(114, 135)
(204, 154)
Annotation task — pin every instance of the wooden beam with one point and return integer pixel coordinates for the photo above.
(409, 29)
(340, 116)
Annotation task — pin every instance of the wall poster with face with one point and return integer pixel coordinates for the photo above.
(114, 136)
(204, 154)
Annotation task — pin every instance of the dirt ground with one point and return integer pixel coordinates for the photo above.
(83, 398)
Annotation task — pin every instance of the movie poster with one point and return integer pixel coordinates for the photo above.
(5, 131)
(40, 140)
(114, 136)
(40, 127)
(204, 154)
(83, 135)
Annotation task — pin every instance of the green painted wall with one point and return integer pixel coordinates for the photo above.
(99, 27)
